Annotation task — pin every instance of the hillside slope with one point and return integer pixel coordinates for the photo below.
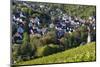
(78, 54)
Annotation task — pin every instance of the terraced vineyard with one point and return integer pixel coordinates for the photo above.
(78, 54)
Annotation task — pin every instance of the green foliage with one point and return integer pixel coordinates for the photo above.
(75, 38)
(79, 54)
(26, 38)
(35, 42)
(47, 50)
(48, 38)
(43, 45)
(83, 11)
(26, 48)
(16, 48)
(36, 14)
(21, 53)
(25, 9)
(84, 33)
(66, 40)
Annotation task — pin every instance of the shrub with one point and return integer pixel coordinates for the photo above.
(75, 38)
(84, 33)
(35, 42)
(51, 49)
(47, 50)
(16, 48)
(68, 41)
(26, 48)
(48, 38)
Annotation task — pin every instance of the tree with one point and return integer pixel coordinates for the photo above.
(16, 52)
(26, 48)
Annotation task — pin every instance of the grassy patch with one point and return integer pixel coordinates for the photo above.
(78, 54)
